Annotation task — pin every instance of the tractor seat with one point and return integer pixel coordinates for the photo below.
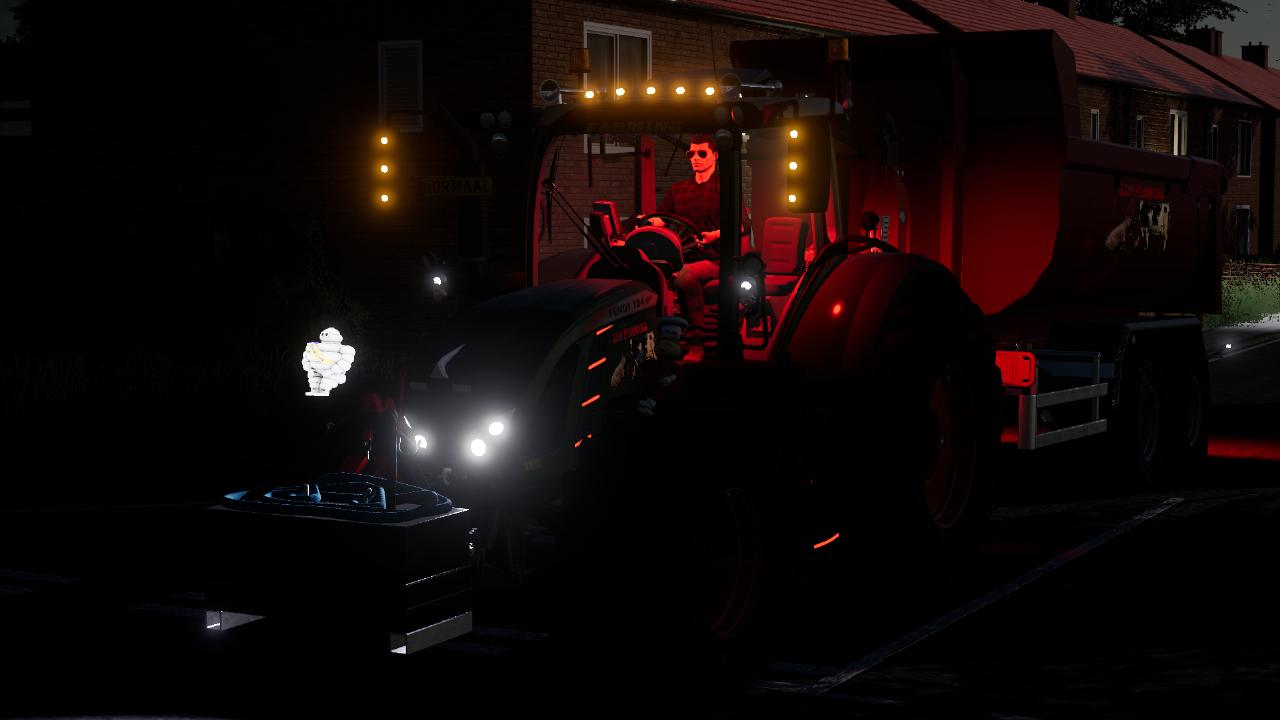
(782, 249)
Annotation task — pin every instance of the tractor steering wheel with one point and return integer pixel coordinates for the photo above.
(683, 227)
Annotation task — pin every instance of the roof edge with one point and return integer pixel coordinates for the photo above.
(926, 16)
(1181, 56)
(693, 7)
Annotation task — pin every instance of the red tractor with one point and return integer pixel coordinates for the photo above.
(917, 259)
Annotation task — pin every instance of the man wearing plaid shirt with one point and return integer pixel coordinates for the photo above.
(698, 200)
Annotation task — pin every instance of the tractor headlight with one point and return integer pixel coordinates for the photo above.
(751, 282)
(499, 425)
(420, 443)
(496, 429)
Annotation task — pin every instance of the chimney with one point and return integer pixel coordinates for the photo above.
(1062, 7)
(1207, 39)
(1256, 54)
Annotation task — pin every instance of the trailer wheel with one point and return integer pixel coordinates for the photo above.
(1143, 435)
(1189, 408)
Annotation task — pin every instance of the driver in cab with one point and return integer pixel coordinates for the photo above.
(698, 200)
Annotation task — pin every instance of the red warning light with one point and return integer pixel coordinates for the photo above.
(828, 541)
(596, 364)
(590, 400)
(1017, 368)
(836, 310)
(603, 330)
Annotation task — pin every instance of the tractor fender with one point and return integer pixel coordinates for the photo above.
(834, 338)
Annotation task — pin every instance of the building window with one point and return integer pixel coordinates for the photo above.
(1244, 149)
(1140, 131)
(1095, 124)
(400, 85)
(1178, 132)
(1243, 219)
(619, 57)
(1213, 142)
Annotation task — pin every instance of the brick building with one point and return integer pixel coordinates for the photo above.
(1133, 92)
(259, 154)
(630, 43)
(484, 238)
(1253, 222)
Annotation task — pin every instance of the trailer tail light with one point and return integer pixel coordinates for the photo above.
(828, 541)
(1017, 368)
(837, 309)
(590, 400)
(596, 364)
(603, 330)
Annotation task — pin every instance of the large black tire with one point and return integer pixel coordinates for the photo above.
(1142, 434)
(922, 483)
(1188, 426)
(676, 552)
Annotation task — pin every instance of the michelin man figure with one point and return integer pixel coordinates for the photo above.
(327, 362)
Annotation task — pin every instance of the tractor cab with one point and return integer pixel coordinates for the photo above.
(608, 160)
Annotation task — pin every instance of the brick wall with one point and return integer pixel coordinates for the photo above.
(682, 42)
(1275, 219)
(1252, 270)
(325, 60)
(1241, 190)
(1095, 96)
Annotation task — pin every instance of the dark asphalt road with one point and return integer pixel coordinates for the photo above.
(1176, 616)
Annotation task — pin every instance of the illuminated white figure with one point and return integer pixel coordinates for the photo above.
(327, 362)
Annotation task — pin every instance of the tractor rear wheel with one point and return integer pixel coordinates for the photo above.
(676, 557)
(922, 483)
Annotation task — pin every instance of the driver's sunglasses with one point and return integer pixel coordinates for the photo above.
(700, 153)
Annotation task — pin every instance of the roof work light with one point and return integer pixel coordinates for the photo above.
(808, 165)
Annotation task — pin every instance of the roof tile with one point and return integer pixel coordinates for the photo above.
(1262, 83)
(1103, 51)
(859, 17)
